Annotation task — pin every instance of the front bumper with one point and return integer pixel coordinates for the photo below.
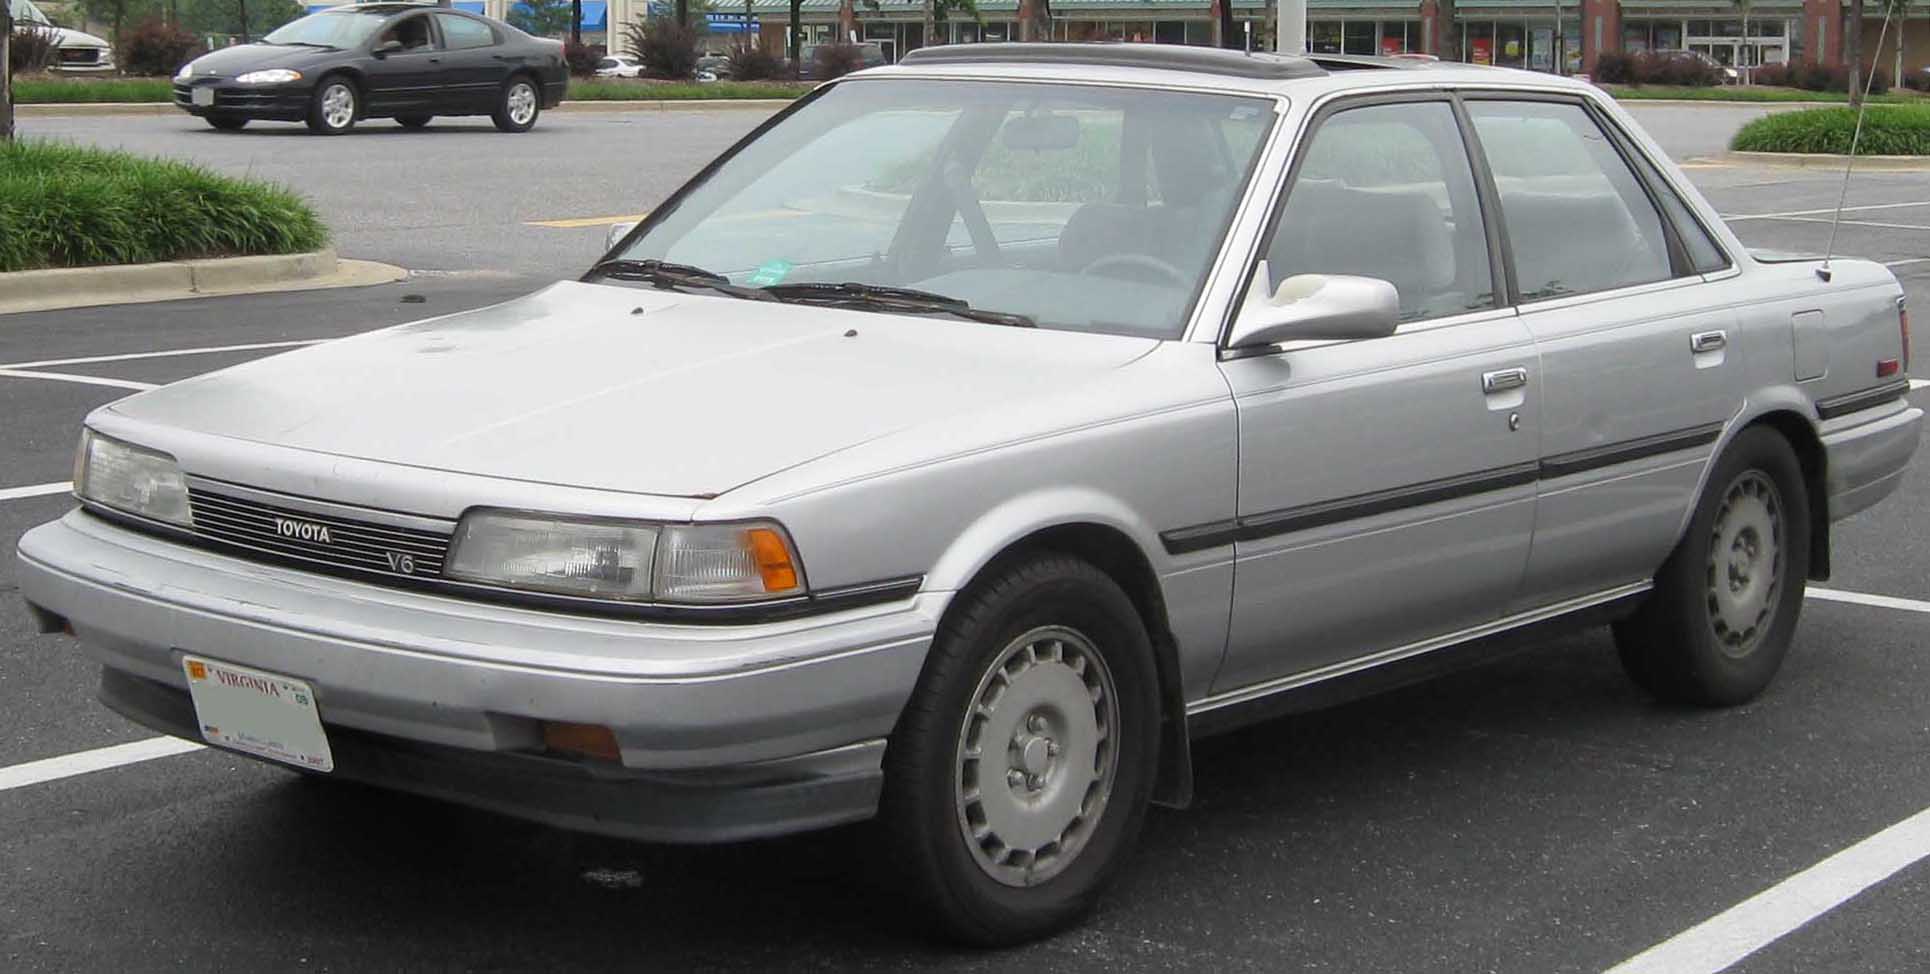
(286, 103)
(725, 732)
(1867, 454)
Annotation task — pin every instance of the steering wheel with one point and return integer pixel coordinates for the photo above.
(1144, 261)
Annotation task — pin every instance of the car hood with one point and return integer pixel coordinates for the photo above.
(242, 58)
(71, 38)
(626, 389)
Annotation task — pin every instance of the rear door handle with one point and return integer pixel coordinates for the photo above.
(1502, 380)
(1708, 341)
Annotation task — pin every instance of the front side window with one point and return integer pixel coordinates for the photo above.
(1079, 208)
(461, 33)
(1577, 219)
(1386, 191)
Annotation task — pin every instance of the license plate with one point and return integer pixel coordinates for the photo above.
(258, 712)
(204, 96)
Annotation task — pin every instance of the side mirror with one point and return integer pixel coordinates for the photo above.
(386, 48)
(617, 232)
(1316, 306)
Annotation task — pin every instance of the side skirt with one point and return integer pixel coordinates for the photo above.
(1345, 682)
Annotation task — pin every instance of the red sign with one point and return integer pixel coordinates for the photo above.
(1390, 46)
(1483, 50)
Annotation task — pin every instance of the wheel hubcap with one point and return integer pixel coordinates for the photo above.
(1036, 756)
(1745, 563)
(338, 106)
(522, 104)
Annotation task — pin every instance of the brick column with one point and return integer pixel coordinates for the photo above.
(1823, 31)
(1432, 29)
(1601, 31)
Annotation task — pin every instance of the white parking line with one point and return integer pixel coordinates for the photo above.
(1720, 941)
(1850, 223)
(92, 380)
(37, 490)
(206, 350)
(1919, 383)
(1877, 601)
(1825, 211)
(1907, 261)
(98, 759)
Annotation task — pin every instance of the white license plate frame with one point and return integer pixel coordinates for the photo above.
(258, 712)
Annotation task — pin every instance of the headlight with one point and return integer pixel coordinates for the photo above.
(125, 477)
(186, 72)
(272, 76)
(628, 561)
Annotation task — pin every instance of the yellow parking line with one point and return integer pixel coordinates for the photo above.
(588, 221)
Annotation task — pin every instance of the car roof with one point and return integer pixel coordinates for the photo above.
(1207, 67)
(384, 7)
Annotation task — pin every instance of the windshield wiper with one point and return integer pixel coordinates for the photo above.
(664, 274)
(903, 300)
(325, 47)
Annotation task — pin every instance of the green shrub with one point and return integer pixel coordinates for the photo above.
(64, 91)
(1817, 77)
(68, 206)
(748, 62)
(667, 49)
(156, 49)
(33, 49)
(1888, 130)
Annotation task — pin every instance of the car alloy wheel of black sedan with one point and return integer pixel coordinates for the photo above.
(406, 61)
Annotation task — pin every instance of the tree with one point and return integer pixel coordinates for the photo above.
(1899, 10)
(119, 13)
(543, 18)
(936, 9)
(796, 39)
(1748, 45)
(243, 18)
(576, 21)
(6, 72)
(1854, 53)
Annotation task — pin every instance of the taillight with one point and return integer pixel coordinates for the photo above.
(1903, 326)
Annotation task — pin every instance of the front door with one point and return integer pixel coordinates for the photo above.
(1386, 486)
(404, 79)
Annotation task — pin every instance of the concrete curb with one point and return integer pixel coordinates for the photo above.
(1822, 160)
(80, 109)
(80, 287)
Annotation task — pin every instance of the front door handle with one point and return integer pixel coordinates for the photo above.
(1708, 341)
(1502, 380)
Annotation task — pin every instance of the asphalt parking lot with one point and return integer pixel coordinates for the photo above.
(1536, 814)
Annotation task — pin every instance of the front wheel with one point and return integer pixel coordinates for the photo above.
(1719, 622)
(1018, 777)
(520, 105)
(332, 109)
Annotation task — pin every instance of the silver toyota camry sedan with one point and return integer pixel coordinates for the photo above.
(979, 431)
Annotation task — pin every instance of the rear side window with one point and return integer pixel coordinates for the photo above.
(1704, 255)
(1578, 221)
(461, 33)
(1386, 191)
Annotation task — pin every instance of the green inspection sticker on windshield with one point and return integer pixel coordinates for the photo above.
(770, 272)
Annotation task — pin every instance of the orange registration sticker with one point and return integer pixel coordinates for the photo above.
(197, 670)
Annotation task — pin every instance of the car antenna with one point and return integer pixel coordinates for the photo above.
(1856, 137)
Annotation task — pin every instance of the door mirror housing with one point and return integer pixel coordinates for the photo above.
(386, 48)
(617, 232)
(1315, 306)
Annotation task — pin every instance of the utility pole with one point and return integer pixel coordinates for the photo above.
(6, 72)
(1293, 27)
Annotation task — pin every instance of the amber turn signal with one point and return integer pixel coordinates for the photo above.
(773, 559)
(589, 740)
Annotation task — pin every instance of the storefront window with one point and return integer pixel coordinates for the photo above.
(1393, 37)
(1511, 41)
(1357, 37)
(1478, 43)
(1323, 37)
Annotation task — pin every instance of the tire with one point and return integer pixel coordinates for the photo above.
(518, 105)
(413, 121)
(226, 123)
(1715, 630)
(333, 108)
(1043, 632)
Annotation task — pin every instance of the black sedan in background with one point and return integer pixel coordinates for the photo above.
(405, 61)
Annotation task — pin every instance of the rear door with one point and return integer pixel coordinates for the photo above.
(473, 66)
(1386, 486)
(1640, 360)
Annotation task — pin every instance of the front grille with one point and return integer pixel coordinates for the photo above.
(324, 541)
(80, 55)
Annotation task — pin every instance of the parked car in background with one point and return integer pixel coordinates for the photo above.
(620, 66)
(1728, 74)
(406, 61)
(717, 66)
(810, 66)
(74, 51)
(964, 442)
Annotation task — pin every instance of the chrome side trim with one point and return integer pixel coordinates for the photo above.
(1296, 681)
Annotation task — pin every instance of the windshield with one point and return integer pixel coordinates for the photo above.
(1086, 209)
(25, 12)
(329, 28)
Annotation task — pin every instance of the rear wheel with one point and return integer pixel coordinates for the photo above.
(413, 121)
(1719, 622)
(332, 109)
(1018, 777)
(226, 123)
(519, 106)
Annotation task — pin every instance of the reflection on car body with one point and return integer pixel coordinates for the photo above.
(959, 446)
